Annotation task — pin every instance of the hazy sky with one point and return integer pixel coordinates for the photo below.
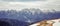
(42, 4)
(17, 4)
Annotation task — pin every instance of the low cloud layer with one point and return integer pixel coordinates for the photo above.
(20, 0)
(47, 4)
(17, 5)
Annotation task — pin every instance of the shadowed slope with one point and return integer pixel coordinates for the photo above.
(29, 16)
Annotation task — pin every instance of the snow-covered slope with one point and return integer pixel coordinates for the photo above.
(30, 15)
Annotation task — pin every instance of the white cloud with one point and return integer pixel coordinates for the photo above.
(52, 4)
(20, 0)
(20, 4)
(49, 4)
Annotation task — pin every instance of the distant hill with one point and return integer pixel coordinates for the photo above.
(30, 15)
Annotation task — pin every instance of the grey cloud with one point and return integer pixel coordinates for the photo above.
(18, 5)
(21, 0)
